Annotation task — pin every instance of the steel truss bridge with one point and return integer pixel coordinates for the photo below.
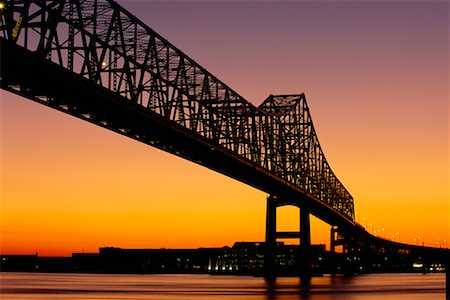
(96, 61)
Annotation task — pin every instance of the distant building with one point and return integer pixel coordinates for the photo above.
(19, 262)
(248, 258)
(117, 260)
(244, 258)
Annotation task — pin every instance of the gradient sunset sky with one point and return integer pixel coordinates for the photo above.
(376, 78)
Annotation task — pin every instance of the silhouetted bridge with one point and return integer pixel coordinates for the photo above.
(96, 61)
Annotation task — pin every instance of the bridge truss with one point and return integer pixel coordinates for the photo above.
(109, 48)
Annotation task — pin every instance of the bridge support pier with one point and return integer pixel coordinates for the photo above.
(271, 239)
(334, 241)
(304, 236)
(305, 246)
(351, 251)
(305, 228)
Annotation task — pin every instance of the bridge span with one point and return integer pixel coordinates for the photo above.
(94, 60)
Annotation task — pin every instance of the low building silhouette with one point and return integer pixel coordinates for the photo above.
(244, 258)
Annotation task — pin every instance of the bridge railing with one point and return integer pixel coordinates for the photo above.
(104, 43)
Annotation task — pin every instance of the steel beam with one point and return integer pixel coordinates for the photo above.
(98, 40)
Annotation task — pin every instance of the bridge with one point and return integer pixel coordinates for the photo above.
(94, 60)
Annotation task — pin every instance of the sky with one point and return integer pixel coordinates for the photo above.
(376, 78)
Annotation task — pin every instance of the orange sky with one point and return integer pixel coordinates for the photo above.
(379, 101)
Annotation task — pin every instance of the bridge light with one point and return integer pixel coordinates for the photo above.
(2, 6)
(104, 64)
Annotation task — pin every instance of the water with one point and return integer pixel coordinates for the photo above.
(185, 287)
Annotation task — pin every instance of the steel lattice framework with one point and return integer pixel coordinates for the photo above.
(102, 42)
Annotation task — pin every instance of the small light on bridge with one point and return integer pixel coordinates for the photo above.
(2, 6)
(104, 64)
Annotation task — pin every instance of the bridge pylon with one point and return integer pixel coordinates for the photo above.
(304, 236)
(354, 256)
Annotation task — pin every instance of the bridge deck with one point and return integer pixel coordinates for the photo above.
(23, 73)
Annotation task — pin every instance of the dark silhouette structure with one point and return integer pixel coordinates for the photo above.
(243, 258)
(96, 61)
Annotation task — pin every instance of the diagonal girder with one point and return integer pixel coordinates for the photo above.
(100, 41)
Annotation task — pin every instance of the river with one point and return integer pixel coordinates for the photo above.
(186, 287)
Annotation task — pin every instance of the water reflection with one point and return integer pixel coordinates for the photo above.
(271, 289)
(186, 287)
(363, 287)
